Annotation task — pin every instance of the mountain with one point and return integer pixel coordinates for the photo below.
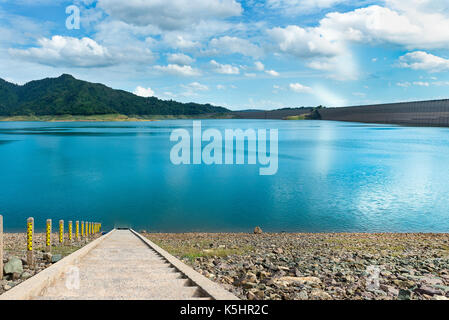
(66, 95)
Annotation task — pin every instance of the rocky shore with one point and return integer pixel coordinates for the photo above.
(16, 269)
(318, 266)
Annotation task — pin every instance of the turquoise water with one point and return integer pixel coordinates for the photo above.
(332, 177)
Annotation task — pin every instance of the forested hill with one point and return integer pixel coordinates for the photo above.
(68, 96)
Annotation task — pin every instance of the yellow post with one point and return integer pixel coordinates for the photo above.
(30, 232)
(48, 236)
(70, 231)
(61, 232)
(1, 247)
(77, 231)
(90, 228)
(82, 229)
(86, 230)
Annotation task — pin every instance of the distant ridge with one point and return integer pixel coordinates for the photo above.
(66, 95)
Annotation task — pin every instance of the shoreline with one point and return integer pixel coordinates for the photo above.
(14, 244)
(318, 266)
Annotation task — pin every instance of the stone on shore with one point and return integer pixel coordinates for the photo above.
(55, 258)
(257, 230)
(14, 265)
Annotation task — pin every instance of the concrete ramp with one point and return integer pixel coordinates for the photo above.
(126, 266)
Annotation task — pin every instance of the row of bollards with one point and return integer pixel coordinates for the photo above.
(87, 229)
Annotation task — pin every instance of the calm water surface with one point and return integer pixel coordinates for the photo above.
(332, 176)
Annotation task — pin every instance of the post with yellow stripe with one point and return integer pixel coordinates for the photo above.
(48, 236)
(61, 232)
(86, 230)
(70, 231)
(82, 229)
(77, 231)
(1, 247)
(30, 233)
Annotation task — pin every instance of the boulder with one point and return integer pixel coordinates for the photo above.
(47, 256)
(257, 230)
(26, 275)
(14, 265)
(300, 280)
(318, 294)
(55, 258)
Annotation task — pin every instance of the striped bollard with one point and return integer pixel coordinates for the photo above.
(70, 231)
(61, 232)
(30, 233)
(1, 247)
(86, 230)
(77, 231)
(48, 236)
(82, 229)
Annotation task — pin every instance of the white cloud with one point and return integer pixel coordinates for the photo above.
(179, 70)
(179, 41)
(196, 86)
(420, 60)
(169, 15)
(230, 45)
(404, 84)
(416, 24)
(144, 92)
(297, 87)
(272, 73)
(305, 42)
(292, 7)
(67, 51)
(259, 66)
(224, 68)
(180, 59)
(421, 83)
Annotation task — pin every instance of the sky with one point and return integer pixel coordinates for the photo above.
(240, 54)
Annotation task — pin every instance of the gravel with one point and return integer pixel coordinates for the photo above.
(15, 247)
(318, 266)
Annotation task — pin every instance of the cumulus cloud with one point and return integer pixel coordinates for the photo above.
(169, 15)
(404, 84)
(180, 59)
(300, 88)
(195, 86)
(175, 69)
(305, 42)
(230, 45)
(290, 7)
(259, 66)
(420, 60)
(272, 73)
(224, 68)
(144, 92)
(67, 51)
(412, 24)
(180, 42)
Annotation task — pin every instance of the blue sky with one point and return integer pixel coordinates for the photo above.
(241, 54)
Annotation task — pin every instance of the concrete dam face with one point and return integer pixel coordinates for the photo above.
(433, 113)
